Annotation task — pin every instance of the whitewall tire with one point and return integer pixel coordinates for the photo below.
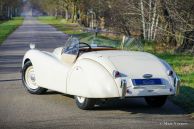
(29, 79)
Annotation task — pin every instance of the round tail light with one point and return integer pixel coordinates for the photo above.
(116, 74)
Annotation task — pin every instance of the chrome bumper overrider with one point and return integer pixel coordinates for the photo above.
(177, 85)
(124, 88)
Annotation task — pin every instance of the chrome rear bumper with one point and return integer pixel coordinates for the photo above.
(142, 91)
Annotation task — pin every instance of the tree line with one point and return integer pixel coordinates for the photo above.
(10, 8)
(166, 21)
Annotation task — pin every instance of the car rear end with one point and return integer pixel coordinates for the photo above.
(140, 74)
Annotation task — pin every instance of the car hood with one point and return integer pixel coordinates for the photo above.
(130, 63)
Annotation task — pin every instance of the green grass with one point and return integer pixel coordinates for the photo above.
(182, 64)
(184, 67)
(6, 28)
(1, 22)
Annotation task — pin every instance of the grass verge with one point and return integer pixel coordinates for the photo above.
(184, 67)
(6, 28)
(182, 64)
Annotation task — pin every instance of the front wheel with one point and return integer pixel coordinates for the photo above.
(84, 103)
(156, 101)
(29, 79)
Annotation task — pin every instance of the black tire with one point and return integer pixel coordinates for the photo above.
(156, 101)
(38, 90)
(87, 104)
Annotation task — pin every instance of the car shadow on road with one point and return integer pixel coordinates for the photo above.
(138, 105)
(130, 105)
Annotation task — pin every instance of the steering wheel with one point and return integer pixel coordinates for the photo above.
(83, 46)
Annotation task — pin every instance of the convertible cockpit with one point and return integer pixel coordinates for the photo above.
(74, 48)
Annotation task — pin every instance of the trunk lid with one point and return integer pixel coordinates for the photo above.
(136, 64)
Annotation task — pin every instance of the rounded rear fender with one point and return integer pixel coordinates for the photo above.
(90, 79)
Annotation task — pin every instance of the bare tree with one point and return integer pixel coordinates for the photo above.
(163, 21)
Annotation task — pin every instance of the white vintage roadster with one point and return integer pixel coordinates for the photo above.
(91, 72)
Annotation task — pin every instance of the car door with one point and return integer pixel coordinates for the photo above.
(52, 72)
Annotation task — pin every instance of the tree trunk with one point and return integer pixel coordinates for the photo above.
(1, 8)
(56, 13)
(169, 20)
(126, 30)
(156, 28)
(8, 12)
(188, 43)
(73, 16)
(66, 13)
(153, 22)
(149, 24)
(143, 19)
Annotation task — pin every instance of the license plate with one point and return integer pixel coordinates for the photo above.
(140, 82)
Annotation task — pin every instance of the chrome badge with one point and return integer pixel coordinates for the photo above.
(147, 75)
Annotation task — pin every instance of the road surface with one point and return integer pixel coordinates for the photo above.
(21, 110)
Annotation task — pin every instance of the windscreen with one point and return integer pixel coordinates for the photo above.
(114, 40)
(71, 46)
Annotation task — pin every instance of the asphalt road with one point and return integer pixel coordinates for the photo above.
(21, 110)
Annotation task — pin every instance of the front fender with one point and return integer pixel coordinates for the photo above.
(50, 72)
(36, 57)
(90, 79)
(30, 55)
